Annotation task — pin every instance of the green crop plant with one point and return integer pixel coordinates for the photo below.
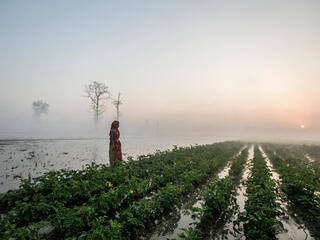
(110, 202)
(218, 199)
(262, 208)
(300, 184)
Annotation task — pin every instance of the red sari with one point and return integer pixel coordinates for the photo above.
(115, 144)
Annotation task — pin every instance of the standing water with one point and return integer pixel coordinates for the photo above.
(309, 158)
(20, 159)
(183, 219)
(227, 232)
(225, 172)
(294, 229)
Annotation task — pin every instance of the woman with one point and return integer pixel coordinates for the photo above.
(115, 153)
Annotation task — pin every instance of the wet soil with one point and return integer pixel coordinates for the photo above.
(293, 226)
(183, 217)
(227, 231)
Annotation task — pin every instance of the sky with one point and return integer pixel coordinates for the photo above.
(232, 67)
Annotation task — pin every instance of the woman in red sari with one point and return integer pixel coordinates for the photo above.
(115, 153)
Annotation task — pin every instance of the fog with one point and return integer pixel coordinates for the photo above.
(233, 69)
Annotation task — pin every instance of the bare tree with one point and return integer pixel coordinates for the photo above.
(98, 93)
(117, 103)
(40, 107)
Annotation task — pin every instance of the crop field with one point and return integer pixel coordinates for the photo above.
(21, 158)
(227, 190)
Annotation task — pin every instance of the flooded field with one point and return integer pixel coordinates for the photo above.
(293, 226)
(228, 190)
(183, 218)
(227, 232)
(24, 158)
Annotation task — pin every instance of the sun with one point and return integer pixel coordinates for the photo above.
(302, 126)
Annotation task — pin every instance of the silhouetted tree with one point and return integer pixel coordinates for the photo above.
(117, 103)
(40, 107)
(98, 93)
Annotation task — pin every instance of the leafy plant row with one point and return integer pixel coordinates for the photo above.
(134, 220)
(35, 206)
(70, 221)
(313, 151)
(219, 197)
(99, 204)
(107, 201)
(300, 185)
(293, 154)
(85, 183)
(261, 208)
(294, 161)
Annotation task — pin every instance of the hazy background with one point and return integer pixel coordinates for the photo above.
(224, 68)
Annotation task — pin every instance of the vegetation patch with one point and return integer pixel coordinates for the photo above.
(261, 208)
(103, 202)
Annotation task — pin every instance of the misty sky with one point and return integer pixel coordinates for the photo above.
(192, 66)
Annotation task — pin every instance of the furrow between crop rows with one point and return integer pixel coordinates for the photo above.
(261, 208)
(292, 228)
(219, 202)
(170, 173)
(170, 228)
(228, 232)
(300, 184)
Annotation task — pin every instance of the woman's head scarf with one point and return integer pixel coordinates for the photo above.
(114, 124)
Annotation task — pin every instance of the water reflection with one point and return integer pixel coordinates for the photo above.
(293, 227)
(21, 158)
(227, 231)
(183, 217)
